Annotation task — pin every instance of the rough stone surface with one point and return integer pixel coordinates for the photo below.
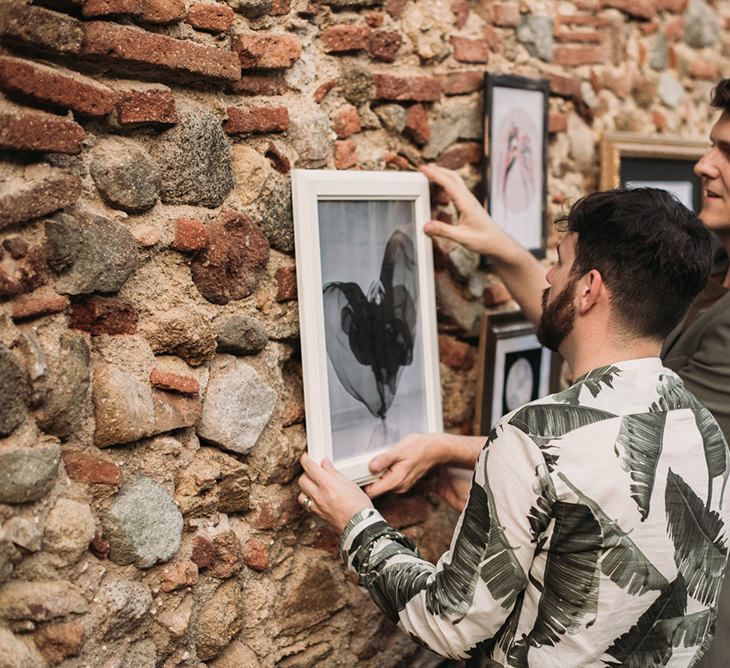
(14, 391)
(392, 116)
(177, 620)
(60, 641)
(125, 175)
(180, 332)
(229, 268)
(194, 159)
(103, 315)
(40, 601)
(239, 335)
(17, 652)
(172, 382)
(23, 533)
(238, 405)
(701, 25)
(35, 305)
(277, 218)
(91, 253)
(68, 386)
(357, 85)
(670, 90)
(143, 525)
(26, 474)
(219, 620)
(453, 306)
(190, 235)
(310, 137)
(236, 655)
(536, 33)
(122, 605)
(69, 528)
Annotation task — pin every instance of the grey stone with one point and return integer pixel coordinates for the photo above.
(219, 620)
(536, 33)
(92, 253)
(659, 59)
(123, 604)
(240, 335)
(125, 175)
(311, 138)
(194, 159)
(30, 349)
(452, 306)
(69, 528)
(454, 119)
(40, 601)
(463, 263)
(356, 85)
(238, 405)
(670, 90)
(26, 474)
(582, 143)
(142, 654)
(9, 556)
(392, 116)
(251, 9)
(62, 409)
(277, 219)
(14, 391)
(368, 119)
(22, 532)
(143, 525)
(701, 25)
(18, 652)
(180, 332)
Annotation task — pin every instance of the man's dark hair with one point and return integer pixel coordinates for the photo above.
(721, 96)
(652, 252)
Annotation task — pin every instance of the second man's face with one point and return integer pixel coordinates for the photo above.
(714, 170)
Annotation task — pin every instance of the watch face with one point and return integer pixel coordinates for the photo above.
(521, 379)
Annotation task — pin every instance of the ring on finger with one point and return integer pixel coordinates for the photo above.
(307, 503)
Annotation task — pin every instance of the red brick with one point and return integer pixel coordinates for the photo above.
(458, 155)
(135, 47)
(23, 129)
(22, 199)
(564, 86)
(649, 28)
(581, 36)
(280, 7)
(323, 89)
(59, 87)
(177, 575)
(345, 154)
(255, 555)
(42, 28)
(674, 29)
(260, 84)
(494, 41)
(346, 122)
(417, 127)
(212, 17)
(154, 106)
(579, 55)
(454, 353)
(397, 161)
(582, 20)
(99, 547)
(659, 120)
(458, 83)
(496, 294)
(278, 157)
(256, 120)
(415, 87)
(17, 247)
(374, 19)
(505, 14)
(704, 69)
(203, 552)
(267, 50)
(468, 50)
(675, 6)
(173, 382)
(341, 38)
(460, 9)
(103, 315)
(557, 122)
(286, 279)
(403, 511)
(149, 11)
(190, 235)
(384, 45)
(32, 306)
(83, 467)
(640, 9)
(307, 8)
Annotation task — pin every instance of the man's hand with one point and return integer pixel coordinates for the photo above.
(475, 228)
(452, 485)
(334, 498)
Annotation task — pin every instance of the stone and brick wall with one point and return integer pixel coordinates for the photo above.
(151, 411)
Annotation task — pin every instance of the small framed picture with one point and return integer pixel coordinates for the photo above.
(367, 313)
(515, 150)
(514, 368)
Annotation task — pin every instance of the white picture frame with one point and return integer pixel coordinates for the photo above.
(357, 237)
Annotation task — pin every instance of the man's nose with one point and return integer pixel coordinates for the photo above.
(706, 166)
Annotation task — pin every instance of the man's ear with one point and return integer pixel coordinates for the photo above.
(589, 291)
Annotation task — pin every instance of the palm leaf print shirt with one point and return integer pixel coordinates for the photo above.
(594, 534)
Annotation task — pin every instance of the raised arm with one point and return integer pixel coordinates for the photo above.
(475, 229)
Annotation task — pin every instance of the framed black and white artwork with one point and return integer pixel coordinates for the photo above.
(515, 152)
(514, 368)
(367, 313)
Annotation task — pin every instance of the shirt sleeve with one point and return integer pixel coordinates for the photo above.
(467, 596)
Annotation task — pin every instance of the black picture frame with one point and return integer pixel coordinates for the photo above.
(530, 228)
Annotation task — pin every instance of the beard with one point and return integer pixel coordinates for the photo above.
(557, 318)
